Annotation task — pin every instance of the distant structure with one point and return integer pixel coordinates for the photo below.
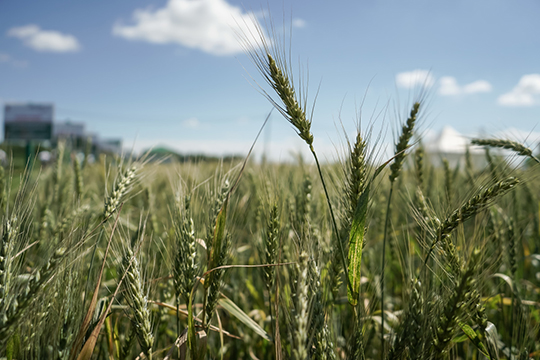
(33, 122)
(451, 145)
(69, 129)
(25, 122)
(110, 145)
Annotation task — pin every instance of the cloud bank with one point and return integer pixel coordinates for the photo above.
(525, 93)
(415, 78)
(208, 25)
(449, 86)
(45, 40)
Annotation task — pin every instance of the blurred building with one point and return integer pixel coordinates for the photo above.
(110, 145)
(69, 129)
(24, 122)
(33, 122)
(72, 132)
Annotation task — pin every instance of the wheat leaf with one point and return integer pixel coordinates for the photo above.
(235, 311)
(356, 240)
(356, 244)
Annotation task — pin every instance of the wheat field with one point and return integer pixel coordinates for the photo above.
(134, 258)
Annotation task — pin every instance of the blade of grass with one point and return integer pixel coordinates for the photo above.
(238, 313)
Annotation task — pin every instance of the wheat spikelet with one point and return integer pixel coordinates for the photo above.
(507, 144)
(137, 300)
(318, 342)
(403, 142)
(301, 309)
(271, 242)
(219, 200)
(470, 208)
(355, 171)
(79, 182)
(293, 111)
(122, 187)
(186, 267)
(302, 215)
(419, 155)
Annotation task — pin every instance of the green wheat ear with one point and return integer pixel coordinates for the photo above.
(507, 144)
(138, 301)
(294, 113)
(120, 190)
(465, 212)
(403, 142)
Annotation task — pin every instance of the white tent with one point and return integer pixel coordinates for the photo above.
(452, 145)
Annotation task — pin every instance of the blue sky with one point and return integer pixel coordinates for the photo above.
(171, 71)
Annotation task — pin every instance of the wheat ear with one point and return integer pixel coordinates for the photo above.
(122, 187)
(507, 144)
(137, 300)
(470, 208)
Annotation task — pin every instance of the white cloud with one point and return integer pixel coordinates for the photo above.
(525, 93)
(212, 26)
(45, 40)
(449, 86)
(478, 86)
(411, 79)
(516, 99)
(299, 23)
(191, 123)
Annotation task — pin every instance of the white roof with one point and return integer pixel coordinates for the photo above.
(449, 141)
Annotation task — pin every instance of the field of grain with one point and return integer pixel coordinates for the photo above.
(133, 258)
